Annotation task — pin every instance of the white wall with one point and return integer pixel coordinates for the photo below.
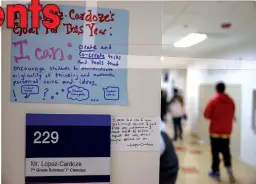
(232, 72)
(143, 100)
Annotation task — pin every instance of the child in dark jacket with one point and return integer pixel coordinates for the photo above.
(169, 164)
(163, 104)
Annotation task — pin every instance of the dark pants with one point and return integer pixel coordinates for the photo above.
(170, 180)
(162, 116)
(177, 128)
(220, 145)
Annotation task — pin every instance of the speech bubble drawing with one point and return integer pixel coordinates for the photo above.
(27, 90)
(111, 93)
(77, 93)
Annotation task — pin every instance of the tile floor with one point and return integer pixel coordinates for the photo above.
(195, 161)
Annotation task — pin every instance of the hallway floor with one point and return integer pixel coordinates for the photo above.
(195, 161)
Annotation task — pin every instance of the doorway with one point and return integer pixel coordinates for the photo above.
(206, 92)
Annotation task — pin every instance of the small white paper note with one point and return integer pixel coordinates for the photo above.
(135, 134)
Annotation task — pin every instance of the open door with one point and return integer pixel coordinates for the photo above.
(206, 92)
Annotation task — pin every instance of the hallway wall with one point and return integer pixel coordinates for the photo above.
(239, 51)
(143, 90)
(179, 78)
(232, 72)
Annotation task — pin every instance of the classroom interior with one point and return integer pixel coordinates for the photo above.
(228, 54)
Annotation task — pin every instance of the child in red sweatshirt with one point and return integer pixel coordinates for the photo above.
(220, 111)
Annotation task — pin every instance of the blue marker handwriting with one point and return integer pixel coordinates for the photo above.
(84, 72)
(111, 93)
(77, 93)
(14, 95)
(27, 90)
(45, 91)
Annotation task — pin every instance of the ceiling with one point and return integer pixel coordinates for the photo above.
(183, 17)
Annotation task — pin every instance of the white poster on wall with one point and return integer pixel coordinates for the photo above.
(135, 134)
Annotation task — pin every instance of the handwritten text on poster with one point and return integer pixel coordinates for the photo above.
(83, 61)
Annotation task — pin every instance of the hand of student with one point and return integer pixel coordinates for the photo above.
(185, 117)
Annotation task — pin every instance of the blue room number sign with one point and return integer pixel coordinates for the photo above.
(67, 148)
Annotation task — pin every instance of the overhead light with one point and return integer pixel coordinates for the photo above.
(190, 40)
(162, 58)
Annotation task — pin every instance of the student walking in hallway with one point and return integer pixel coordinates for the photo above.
(163, 105)
(177, 111)
(220, 111)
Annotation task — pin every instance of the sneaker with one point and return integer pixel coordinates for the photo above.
(181, 138)
(231, 175)
(214, 175)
